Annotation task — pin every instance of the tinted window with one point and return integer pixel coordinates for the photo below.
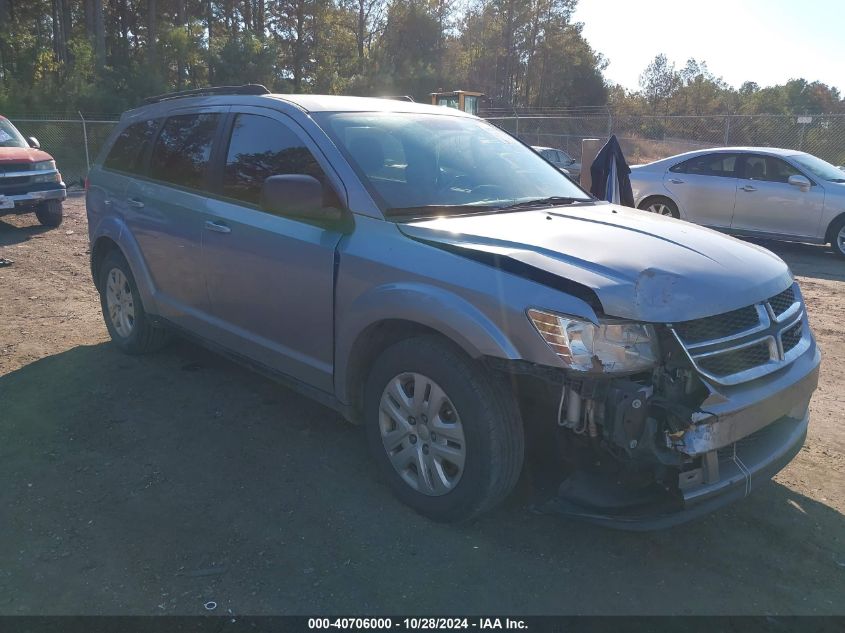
(260, 148)
(708, 165)
(181, 152)
(768, 168)
(130, 146)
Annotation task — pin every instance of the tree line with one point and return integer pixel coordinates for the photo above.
(103, 56)
(694, 90)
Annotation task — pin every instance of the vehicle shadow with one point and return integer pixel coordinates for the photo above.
(11, 234)
(153, 484)
(807, 260)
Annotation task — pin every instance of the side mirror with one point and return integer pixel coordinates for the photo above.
(33, 142)
(297, 196)
(802, 182)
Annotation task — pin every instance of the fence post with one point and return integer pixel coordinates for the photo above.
(727, 130)
(85, 142)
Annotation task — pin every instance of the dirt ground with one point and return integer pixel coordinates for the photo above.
(152, 485)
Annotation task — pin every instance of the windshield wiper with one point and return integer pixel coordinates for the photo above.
(438, 209)
(551, 201)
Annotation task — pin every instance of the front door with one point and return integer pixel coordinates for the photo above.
(270, 279)
(766, 203)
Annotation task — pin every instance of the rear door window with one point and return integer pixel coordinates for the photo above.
(723, 165)
(130, 146)
(180, 155)
(261, 147)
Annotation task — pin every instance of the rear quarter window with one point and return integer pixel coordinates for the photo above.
(129, 148)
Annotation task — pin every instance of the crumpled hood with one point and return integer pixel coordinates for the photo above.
(22, 155)
(640, 265)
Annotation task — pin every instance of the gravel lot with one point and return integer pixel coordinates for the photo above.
(152, 485)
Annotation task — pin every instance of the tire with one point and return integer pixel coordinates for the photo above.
(129, 326)
(837, 237)
(660, 206)
(478, 414)
(49, 213)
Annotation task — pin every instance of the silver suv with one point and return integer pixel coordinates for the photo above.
(433, 279)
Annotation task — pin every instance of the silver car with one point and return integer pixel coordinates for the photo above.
(431, 278)
(749, 191)
(561, 160)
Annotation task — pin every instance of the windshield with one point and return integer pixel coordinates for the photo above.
(819, 168)
(9, 135)
(424, 164)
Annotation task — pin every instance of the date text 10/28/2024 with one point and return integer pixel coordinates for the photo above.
(421, 623)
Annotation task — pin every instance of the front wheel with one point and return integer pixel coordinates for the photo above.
(49, 213)
(445, 432)
(661, 206)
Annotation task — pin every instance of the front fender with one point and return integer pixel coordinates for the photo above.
(425, 305)
(114, 228)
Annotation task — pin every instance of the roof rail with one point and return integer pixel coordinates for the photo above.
(399, 98)
(246, 89)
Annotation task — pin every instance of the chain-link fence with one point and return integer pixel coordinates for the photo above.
(74, 143)
(647, 138)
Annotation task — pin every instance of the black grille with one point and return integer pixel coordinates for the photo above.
(718, 326)
(15, 180)
(782, 302)
(11, 167)
(791, 336)
(736, 361)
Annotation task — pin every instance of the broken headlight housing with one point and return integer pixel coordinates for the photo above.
(609, 347)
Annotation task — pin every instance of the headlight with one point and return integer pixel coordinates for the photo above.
(44, 164)
(608, 347)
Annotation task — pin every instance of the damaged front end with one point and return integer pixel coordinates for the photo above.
(719, 405)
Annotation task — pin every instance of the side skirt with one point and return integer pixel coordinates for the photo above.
(326, 399)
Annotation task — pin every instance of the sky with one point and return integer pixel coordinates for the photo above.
(767, 41)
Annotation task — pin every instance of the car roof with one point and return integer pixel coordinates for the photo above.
(770, 151)
(301, 102)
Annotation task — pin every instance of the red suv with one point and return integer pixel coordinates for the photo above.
(29, 180)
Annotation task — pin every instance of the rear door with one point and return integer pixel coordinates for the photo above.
(766, 203)
(164, 212)
(125, 160)
(270, 278)
(705, 188)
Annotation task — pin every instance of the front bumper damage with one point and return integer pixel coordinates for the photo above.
(739, 438)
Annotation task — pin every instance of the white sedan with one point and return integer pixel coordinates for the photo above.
(749, 191)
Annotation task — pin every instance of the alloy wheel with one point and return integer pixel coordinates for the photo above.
(120, 303)
(659, 208)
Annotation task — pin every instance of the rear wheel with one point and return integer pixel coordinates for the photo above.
(837, 237)
(661, 206)
(49, 213)
(129, 325)
(446, 433)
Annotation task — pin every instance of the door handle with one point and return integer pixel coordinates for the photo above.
(749, 188)
(134, 202)
(676, 181)
(217, 227)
